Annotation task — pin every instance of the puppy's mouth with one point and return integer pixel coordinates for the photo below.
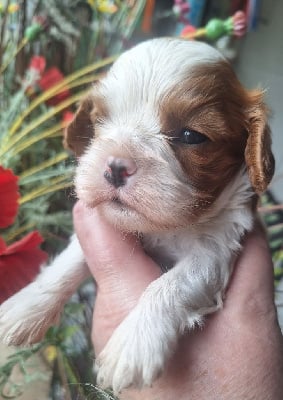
(123, 206)
(118, 202)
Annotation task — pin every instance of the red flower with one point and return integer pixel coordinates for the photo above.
(51, 77)
(8, 197)
(68, 117)
(47, 79)
(19, 263)
(38, 63)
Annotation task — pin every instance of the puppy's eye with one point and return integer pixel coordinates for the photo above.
(188, 136)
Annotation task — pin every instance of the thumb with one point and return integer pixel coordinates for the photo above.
(115, 259)
(120, 267)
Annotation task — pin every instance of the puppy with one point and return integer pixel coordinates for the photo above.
(171, 146)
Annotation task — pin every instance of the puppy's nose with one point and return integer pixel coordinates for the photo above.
(118, 170)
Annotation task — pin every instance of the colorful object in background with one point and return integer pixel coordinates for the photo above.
(37, 65)
(239, 21)
(181, 9)
(45, 79)
(68, 117)
(9, 197)
(39, 25)
(51, 77)
(146, 25)
(196, 12)
(12, 8)
(252, 12)
(103, 6)
(215, 28)
(188, 31)
(19, 262)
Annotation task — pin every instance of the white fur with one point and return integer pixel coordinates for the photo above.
(199, 257)
(141, 76)
(26, 316)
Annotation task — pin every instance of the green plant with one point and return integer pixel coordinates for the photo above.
(80, 39)
(90, 34)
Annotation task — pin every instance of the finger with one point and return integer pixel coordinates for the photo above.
(121, 269)
(115, 258)
(251, 288)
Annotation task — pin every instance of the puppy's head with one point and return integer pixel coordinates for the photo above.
(164, 132)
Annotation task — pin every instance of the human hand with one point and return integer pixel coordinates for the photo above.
(238, 355)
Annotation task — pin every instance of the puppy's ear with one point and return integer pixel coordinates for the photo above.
(80, 131)
(259, 158)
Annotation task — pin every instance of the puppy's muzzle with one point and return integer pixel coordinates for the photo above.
(118, 170)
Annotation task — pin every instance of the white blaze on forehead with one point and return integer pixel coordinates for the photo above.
(139, 78)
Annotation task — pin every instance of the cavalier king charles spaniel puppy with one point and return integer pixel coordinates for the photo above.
(172, 147)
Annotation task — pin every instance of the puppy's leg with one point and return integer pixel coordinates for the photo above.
(25, 317)
(140, 346)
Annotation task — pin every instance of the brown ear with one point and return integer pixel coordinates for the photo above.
(259, 158)
(80, 131)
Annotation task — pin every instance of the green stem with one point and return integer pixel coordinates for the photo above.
(46, 164)
(59, 87)
(40, 120)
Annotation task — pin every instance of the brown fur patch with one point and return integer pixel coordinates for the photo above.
(81, 130)
(259, 158)
(213, 102)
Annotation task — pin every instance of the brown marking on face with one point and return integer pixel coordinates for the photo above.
(80, 131)
(213, 102)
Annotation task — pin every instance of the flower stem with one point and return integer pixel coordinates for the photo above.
(38, 121)
(58, 88)
(46, 164)
(43, 190)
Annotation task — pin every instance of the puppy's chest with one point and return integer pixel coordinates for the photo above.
(169, 248)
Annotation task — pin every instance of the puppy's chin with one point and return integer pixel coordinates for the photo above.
(129, 218)
(125, 217)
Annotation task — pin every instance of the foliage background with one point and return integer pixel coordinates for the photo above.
(80, 39)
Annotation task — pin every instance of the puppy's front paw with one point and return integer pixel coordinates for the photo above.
(26, 316)
(135, 354)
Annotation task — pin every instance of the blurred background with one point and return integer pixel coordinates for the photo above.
(50, 53)
(260, 63)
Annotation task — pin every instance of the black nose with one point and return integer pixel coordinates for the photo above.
(119, 170)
